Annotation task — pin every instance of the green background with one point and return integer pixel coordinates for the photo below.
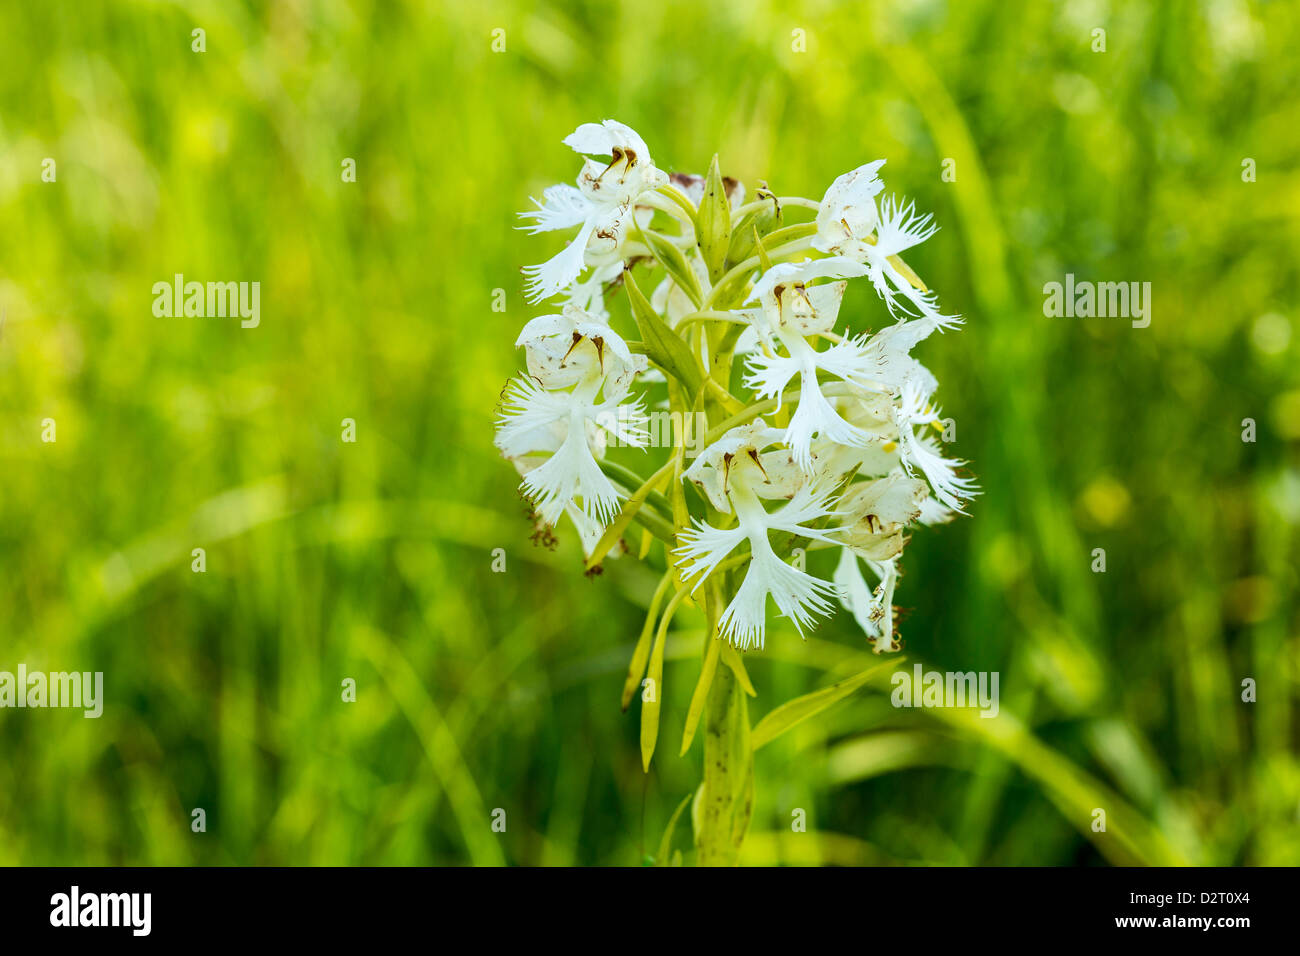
(481, 690)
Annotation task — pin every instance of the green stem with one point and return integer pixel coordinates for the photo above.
(726, 799)
(758, 205)
(742, 270)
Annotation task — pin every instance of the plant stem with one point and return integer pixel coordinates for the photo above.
(726, 799)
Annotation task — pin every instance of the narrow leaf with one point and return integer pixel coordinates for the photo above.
(666, 844)
(701, 694)
(714, 230)
(674, 263)
(650, 708)
(630, 509)
(662, 345)
(641, 653)
(801, 708)
(731, 658)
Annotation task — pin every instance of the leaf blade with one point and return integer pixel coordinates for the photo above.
(796, 711)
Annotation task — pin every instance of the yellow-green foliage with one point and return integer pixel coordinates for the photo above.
(373, 560)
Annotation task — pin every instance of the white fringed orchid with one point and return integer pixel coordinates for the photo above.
(580, 371)
(845, 466)
(601, 205)
(792, 311)
(848, 460)
(733, 473)
(872, 609)
(874, 516)
(845, 224)
(923, 454)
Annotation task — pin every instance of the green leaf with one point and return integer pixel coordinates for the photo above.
(641, 653)
(674, 262)
(662, 345)
(680, 199)
(713, 232)
(779, 237)
(801, 708)
(731, 658)
(742, 238)
(760, 250)
(650, 708)
(701, 694)
(630, 479)
(666, 844)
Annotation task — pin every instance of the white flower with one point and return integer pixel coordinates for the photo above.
(845, 221)
(572, 426)
(739, 477)
(848, 210)
(600, 205)
(873, 610)
(577, 351)
(857, 467)
(924, 455)
(563, 348)
(792, 310)
(589, 530)
(875, 513)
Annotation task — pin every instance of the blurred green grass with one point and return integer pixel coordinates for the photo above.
(372, 560)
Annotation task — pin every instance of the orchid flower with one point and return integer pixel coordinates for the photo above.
(872, 609)
(923, 454)
(792, 310)
(600, 205)
(855, 465)
(580, 370)
(735, 476)
(847, 217)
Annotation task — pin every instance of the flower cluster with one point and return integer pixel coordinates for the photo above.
(817, 438)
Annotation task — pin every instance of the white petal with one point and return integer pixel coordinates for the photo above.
(848, 359)
(626, 422)
(558, 272)
(768, 375)
(572, 473)
(809, 503)
(543, 326)
(560, 208)
(816, 416)
(873, 610)
(798, 596)
(705, 546)
(855, 595)
(932, 513)
(599, 139)
(949, 487)
(528, 418)
(900, 228)
(848, 210)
